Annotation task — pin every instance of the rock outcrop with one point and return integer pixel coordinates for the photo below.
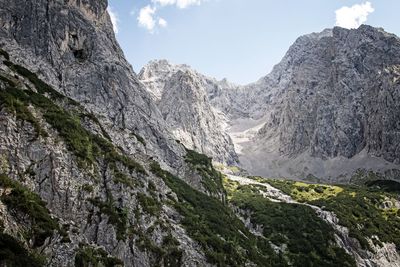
(182, 97)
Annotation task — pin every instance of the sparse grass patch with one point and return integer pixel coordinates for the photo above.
(149, 205)
(10, 98)
(89, 256)
(212, 179)
(22, 200)
(116, 216)
(304, 192)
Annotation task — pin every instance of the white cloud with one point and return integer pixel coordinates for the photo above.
(162, 22)
(146, 17)
(179, 3)
(164, 2)
(352, 17)
(114, 18)
(186, 3)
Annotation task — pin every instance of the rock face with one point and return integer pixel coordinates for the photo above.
(72, 45)
(181, 94)
(341, 96)
(329, 108)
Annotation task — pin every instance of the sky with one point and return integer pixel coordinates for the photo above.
(240, 40)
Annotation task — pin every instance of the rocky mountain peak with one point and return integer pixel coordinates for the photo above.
(332, 96)
(182, 97)
(155, 73)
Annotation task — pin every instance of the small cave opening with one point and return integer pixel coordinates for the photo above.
(80, 54)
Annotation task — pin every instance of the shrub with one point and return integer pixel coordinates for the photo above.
(297, 226)
(149, 204)
(87, 188)
(116, 216)
(21, 200)
(13, 253)
(223, 237)
(212, 179)
(15, 105)
(364, 218)
(89, 256)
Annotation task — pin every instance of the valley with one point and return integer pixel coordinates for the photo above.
(104, 167)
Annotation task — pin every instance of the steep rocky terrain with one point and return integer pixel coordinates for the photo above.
(91, 175)
(329, 108)
(71, 44)
(181, 94)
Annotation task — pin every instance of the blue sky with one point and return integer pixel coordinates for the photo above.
(240, 40)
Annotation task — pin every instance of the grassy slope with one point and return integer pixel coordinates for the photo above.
(358, 208)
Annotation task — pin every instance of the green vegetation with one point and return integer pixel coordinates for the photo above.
(8, 80)
(41, 87)
(149, 205)
(4, 166)
(22, 112)
(212, 179)
(365, 218)
(88, 188)
(363, 176)
(94, 119)
(223, 237)
(95, 257)
(13, 253)
(121, 178)
(85, 145)
(22, 201)
(168, 254)
(308, 240)
(172, 254)
(116, 216)
(306, 192)
(384, 185)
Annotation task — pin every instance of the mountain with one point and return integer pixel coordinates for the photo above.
(81, 146)
(182, 97)
(329, 108)
(91, 173)
(327, 111)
